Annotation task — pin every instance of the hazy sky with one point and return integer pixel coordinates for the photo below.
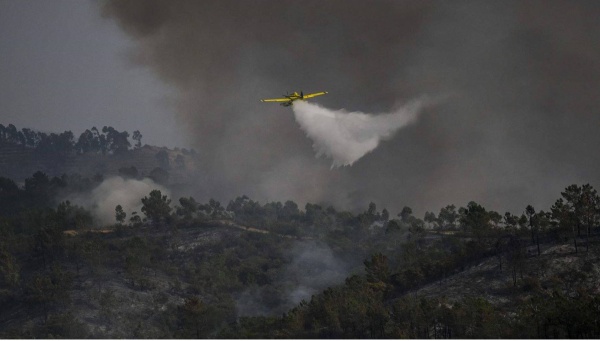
(64, 67)
(521, 79)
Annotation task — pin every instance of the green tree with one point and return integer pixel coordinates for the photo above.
(448, 217)
(534, 225)
(385, 215)
(290, 211)
(510, 221)
(405, 214)
(590, 209)
(578, 207)
(372, 210)
(31, 139)
(393, 227)
(65, 142)
(120, 215)
(214, 210)
(116, 141)
(100, 141)
(156, 206)
(86, 143)
(135, 220)
(137, 137)
(495, 218)
(475, 219)
(71, 217)
(188, 209)
(417, 228)
(430, 219)
(378, 272)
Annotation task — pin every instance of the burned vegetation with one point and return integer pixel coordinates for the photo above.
(182, 268)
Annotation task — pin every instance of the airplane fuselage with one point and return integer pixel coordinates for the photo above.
(289, 99)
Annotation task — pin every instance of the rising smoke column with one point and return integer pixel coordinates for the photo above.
(522, 127)
(345, 136)
(114, 191)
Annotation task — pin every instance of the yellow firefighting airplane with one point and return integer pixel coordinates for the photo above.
(290, 98)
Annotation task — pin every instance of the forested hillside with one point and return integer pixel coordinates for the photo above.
(102, 152)
(180, 268)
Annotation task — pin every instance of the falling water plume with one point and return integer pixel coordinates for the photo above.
(345, 136)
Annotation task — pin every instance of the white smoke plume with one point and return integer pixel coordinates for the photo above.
(345, 136)
(103, 199)
(313, 267)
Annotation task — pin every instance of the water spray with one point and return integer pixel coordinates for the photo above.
(345, 136)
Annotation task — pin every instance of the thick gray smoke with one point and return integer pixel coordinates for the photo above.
(103, 199)
(346, 136)
(522, 123)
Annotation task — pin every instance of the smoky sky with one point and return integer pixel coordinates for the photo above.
(63, 67)
(520, 80)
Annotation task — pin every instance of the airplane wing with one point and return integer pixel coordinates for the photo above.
(275, 100)
(315, 94)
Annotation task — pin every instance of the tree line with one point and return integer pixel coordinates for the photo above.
(105, 141)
